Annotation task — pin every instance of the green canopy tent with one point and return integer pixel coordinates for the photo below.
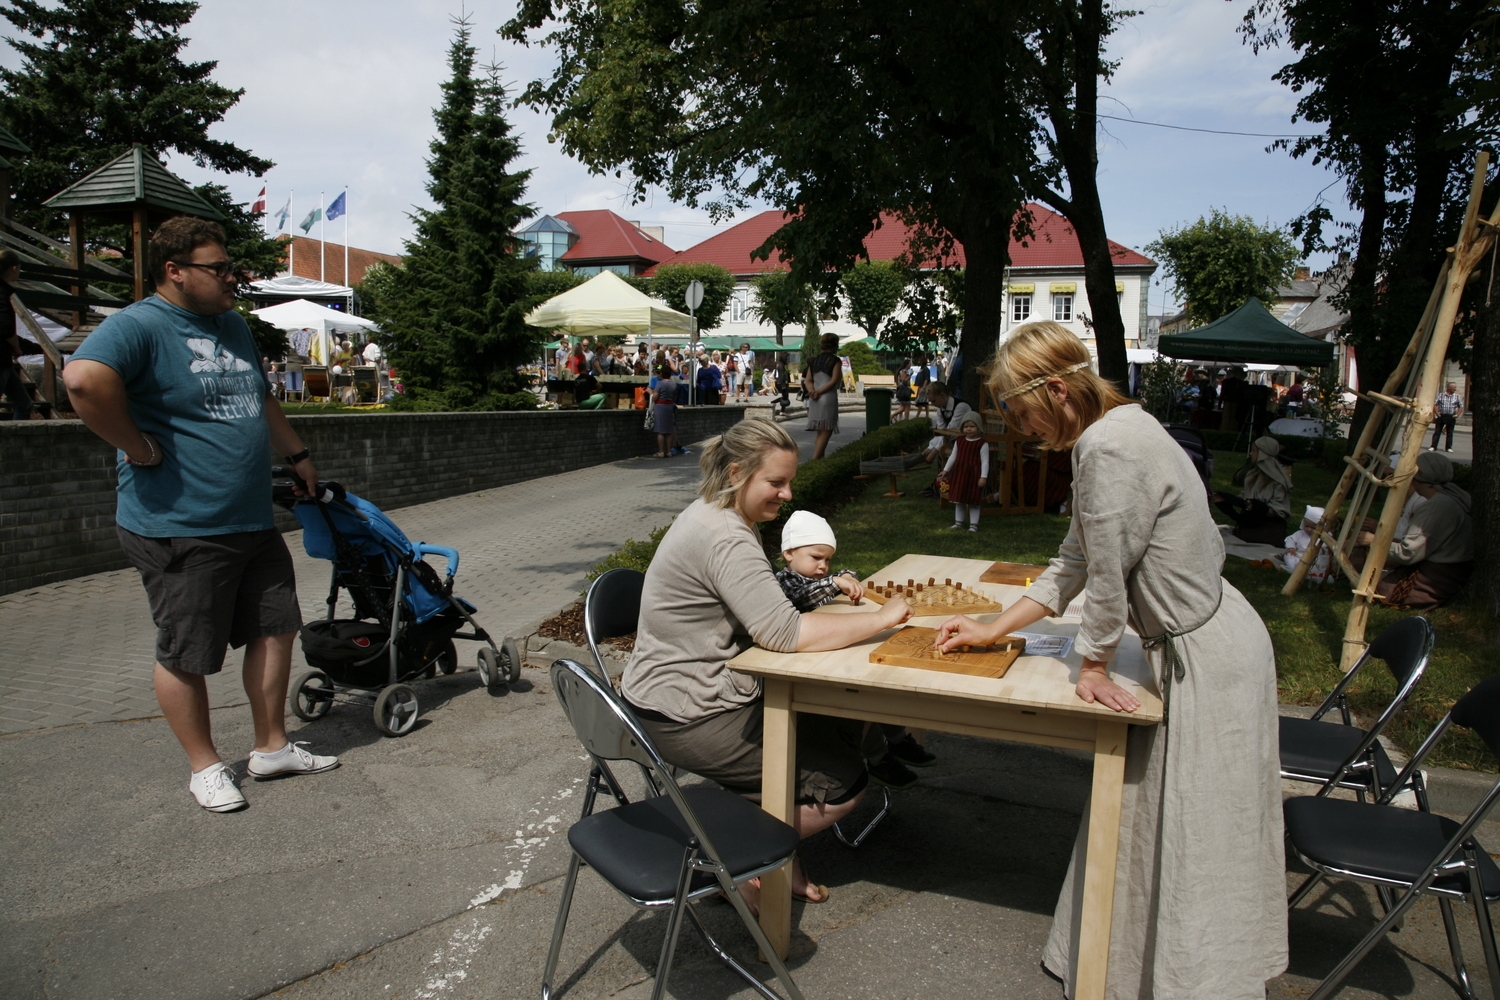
(1250, 334)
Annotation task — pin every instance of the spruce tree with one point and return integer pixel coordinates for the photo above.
(453, 316)
(97, 76)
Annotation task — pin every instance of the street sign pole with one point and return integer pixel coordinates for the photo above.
(693, 298)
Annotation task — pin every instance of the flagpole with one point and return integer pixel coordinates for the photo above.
(291, 237)
(347, 282)
(322, 247)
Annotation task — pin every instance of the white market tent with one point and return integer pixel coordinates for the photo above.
(607, 304)
(321, 321)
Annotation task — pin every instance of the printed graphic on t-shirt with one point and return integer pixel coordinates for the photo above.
(225, 396)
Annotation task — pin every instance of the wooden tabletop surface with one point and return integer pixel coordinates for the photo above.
(1034, 682)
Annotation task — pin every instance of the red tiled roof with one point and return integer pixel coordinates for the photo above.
(604, 236)
(1052, 244)
(330, 267)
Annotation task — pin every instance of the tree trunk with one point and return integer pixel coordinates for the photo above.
(986, 255)
(1484, 409)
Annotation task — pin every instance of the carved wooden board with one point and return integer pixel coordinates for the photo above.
(932, 598)
(1017, 574)
(912, 647)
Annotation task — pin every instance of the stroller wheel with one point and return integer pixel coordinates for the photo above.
(312, 695)
(510, 660)
(489, 667)
(448, 661)
(396, 710)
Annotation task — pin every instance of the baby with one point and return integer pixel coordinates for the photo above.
(807, 543)
(1296, 545)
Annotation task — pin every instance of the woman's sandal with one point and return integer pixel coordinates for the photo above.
(822, 895)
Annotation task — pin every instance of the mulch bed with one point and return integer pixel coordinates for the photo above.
(568, 626)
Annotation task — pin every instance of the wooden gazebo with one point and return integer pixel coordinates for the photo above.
(135, 188)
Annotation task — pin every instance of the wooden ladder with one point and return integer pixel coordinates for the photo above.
(1398, 422)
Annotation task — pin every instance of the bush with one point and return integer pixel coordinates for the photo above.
(862, 360)
(632, 555)
(459, 400)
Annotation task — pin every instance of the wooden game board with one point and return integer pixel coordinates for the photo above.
(1017, 574)
(913, 647)
(932, 598)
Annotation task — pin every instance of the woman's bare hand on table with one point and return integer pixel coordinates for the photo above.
(1094, 685)
(960, 630)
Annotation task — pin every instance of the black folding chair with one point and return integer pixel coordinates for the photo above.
(670, 850)
(612, 608)
(1347, 756)
(1401, 849)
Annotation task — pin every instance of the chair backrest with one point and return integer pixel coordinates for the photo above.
(1479, 710)
(612, 608)
(1405, 646)
(609, 731)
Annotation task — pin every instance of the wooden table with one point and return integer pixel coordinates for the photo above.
(1034, 702)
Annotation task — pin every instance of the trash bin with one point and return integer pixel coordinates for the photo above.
(877, 408)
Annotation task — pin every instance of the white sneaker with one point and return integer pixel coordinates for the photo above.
(289, 760)
(215, 790)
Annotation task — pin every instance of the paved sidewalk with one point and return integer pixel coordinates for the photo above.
(81, 651)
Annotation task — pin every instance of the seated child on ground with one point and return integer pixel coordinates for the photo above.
(1297, 543)
(807, 545)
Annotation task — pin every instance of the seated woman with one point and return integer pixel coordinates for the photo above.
(1260, 512)
(1432, 561)
(704, 604)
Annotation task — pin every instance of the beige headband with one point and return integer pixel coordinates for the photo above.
(1025, 387)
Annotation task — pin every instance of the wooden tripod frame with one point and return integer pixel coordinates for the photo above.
(1397, 421)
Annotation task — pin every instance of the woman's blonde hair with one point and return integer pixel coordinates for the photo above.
(740, 450)
(1034, 355)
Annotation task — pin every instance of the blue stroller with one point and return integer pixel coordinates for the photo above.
(406, 617)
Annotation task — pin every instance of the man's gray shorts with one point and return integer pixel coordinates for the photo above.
(214, 591)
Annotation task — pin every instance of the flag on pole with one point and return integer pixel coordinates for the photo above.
(337, 208)
(306, 224)
(258, 207)
(283, 214)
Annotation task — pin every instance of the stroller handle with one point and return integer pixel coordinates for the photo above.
(451, 555)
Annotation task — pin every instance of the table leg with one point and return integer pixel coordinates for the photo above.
(778, 790)
(1103, 850)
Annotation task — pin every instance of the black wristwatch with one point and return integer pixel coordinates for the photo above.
(294, 459)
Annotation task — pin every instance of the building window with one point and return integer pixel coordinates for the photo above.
(1062, 308)
(738, 305)
(1020, 308)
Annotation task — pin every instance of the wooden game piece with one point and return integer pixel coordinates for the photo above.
(919, 588)
(914, 647)
(909, 581)
(947, 582)
(939, 599)
(931, 581)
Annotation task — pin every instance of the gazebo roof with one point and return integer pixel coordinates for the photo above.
(134, 178)
(10, 143)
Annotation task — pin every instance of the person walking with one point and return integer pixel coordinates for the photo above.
(1446, 409)
(172, 382)
(782, 381)
(821, 381)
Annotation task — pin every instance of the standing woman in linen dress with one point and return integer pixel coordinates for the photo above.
(1200, 890)
(821, 380)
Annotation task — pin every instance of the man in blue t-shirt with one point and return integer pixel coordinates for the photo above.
(174, 382)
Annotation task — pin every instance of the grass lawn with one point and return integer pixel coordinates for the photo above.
(1307, 629)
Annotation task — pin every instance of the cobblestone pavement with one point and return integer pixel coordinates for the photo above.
(81, 650)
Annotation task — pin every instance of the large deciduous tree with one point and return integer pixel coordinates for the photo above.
(872, 292)
(95, 77)
(1217, 263)
(669, 283)
(834, 111)
(779, 300)
(453, 316)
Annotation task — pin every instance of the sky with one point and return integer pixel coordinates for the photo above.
(340, 93)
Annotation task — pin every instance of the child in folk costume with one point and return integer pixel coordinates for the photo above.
(1200, 884)
(966, 473)
(1299, 540)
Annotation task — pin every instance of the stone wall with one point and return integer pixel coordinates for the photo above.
(57, 480)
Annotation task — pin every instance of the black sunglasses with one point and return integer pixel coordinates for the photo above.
(222, 269)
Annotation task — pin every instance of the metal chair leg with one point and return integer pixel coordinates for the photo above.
(1336, 978)
(674, 923)
(1486, 927)
(1303, 889)
(885, 810)
(1456, 949)
(732, 893)
(560, 925)
(728, 959)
